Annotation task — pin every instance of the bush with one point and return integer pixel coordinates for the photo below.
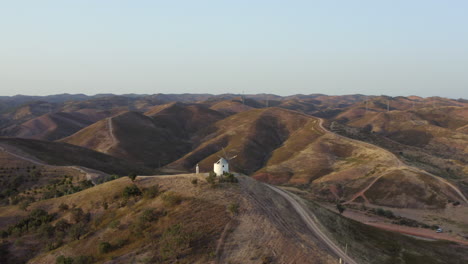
(228, 177)
(340, 208)
(132, 176)
(174, 241)
(194, 181)
(211, 179)
(148, 216)
(63, 260)
(389, 214)
(63, 207)
(46, 231)
(53, 245)
(24, 205)
(78, 230)
(121, 243)
(105, 247)
(384, 213)
(62, 225)
(151, 192)
(114, 224)
(131, 191)
(35, 219)
(171, 198)
(77, 215)
(233, 208)
(84, 260)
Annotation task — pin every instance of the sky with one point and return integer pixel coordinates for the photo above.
(391, 47)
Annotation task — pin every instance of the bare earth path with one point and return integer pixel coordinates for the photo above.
(399, 164)
(91, 174)
(110, 128)
(312, 224)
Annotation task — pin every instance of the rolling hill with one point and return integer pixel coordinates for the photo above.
(285, 147)
(155, 138)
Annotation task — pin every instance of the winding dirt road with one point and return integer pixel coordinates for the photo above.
(399, 164)
(311, 223)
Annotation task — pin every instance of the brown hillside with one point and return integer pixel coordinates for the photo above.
(286, 147)
(63, 154)
(155, 139)
(194, 225)
(230, 107)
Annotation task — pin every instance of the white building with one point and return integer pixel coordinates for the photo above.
(221, 166)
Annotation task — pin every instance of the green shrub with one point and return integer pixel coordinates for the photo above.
(78, 230)
(64, 260)
(35, 219)
(151, 192)
(77, 215)
(233, 208)
(84, 260)
(340, 208)
(105, 247)
(114, 224)
(121, 243)
(24, 205)
(171, 198)
(211, 179)
(174, 241)
(63, 207)
(62, 225)
(228, 177)
(148, 216)
(46, 231)
(130, 191)
(54, 244)
(132, 176)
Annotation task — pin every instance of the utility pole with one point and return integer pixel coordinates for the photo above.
(388, 105)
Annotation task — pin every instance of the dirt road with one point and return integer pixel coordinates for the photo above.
(110, 128)
(313, 226)
(399, 164)
(90, 174)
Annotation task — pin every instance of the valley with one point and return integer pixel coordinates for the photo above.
(317, 177)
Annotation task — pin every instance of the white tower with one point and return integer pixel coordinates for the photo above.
(221, 166)
(197, 169)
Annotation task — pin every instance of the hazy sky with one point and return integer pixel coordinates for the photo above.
(258, 46)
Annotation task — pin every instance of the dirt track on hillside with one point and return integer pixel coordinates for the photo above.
(312, 224)
(91, 175)
(399, 164)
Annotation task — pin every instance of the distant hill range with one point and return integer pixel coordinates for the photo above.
(277, 139)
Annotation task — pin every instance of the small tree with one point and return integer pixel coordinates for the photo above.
(340, 208)
(132, 176)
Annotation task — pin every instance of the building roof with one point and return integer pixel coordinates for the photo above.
(222, 160)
